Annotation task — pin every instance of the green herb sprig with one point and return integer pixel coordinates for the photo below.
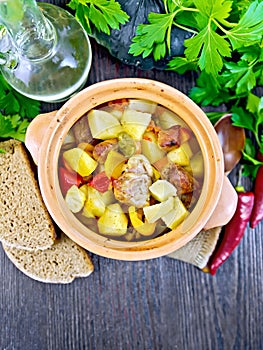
(13, 127)
(251, 118)
(103, 14)
(16, 111)
(12, 102)
(215, 35)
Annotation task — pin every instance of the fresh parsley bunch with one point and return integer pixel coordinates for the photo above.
(219, 27)
(226, 49)
(16, 111)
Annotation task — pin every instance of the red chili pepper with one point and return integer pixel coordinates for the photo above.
(101, 182)
(257, 212)
(233, 231)
(67, 179)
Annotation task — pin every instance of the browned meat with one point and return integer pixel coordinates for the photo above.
(81, 130)
(187, 199)
(139, 164)
(179, 177)
(132, 189)
(170, 138)
(102, 149)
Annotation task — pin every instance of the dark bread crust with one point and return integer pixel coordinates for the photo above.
(24, 220)
(61, 263)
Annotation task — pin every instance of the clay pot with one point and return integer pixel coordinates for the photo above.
(218, 198)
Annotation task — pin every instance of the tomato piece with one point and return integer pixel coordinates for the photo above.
(67, 179)
(100, 182)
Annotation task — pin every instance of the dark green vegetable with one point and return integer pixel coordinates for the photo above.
(126, 144)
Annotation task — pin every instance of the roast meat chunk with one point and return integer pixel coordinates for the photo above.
(179, 177)
(170, 138)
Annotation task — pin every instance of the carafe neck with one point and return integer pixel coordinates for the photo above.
(32, 34)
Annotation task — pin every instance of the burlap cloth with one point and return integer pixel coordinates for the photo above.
(198, 251)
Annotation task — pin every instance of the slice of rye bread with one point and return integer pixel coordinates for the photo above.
(61, 263)
(24, 220)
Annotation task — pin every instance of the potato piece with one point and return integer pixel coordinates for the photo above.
(113, 222)
(187, 149)
(162, 190)
(167, 119)
(178, 156)
(135, 123)
(117, 113)
(142, 105)
(75, 199)
(114, 164)
(94, 204)
(80, 161)
(108, 197)
(197, 165)
(69, 141)
(156, 211)
(175, 216)
(103, 125)
(87, 212)
(84, 189)
(151, 151)
(144, 228)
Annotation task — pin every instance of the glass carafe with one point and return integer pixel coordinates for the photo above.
(45, 53)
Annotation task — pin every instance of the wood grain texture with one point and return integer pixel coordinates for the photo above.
(156, 304)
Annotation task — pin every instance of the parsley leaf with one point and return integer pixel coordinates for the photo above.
(11, 102)
(150, 40)
(250, 27)
(182, 65)
(208, 47)
(201, 93)
(243, 119)
(13, 127)
(15, 112)
(251, 118)
(240, 76)
(250, 170)
(213, 10)
(103, 14)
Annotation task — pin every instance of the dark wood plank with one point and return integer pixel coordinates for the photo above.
(156, 304)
